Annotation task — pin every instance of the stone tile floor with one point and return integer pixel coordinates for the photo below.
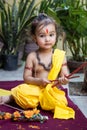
(81, 101)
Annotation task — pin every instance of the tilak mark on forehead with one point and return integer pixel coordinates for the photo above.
(46, 30)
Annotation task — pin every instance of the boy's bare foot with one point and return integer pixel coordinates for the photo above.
(5, 99)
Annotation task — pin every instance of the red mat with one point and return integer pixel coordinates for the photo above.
(79, 123)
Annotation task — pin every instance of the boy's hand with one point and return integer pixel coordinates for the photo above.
(44, 82)
(63, 80)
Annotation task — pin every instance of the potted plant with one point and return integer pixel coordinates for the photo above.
(73, 17)
(14, 19)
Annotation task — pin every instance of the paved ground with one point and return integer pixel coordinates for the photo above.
(81, 101)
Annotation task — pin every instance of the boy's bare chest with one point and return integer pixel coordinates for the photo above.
(42, 67)
(44, 62)
(41, 72)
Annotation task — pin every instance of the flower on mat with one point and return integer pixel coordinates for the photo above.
(28, 115)
(1, 117)
(16, 115)
(36, 111)
(7, 116)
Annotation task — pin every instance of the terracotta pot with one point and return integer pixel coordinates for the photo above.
(74, 65)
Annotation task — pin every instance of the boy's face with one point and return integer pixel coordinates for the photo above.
(46, 36)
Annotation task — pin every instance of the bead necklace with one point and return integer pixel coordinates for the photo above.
(47, 68)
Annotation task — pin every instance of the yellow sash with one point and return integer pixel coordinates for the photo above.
(4, 92)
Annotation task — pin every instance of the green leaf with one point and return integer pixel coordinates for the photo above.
(52, 14)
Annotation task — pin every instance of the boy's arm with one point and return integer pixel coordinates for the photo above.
(64, 69)
(29, 69)
(63, 73)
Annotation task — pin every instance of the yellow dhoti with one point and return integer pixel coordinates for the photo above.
(29, 96)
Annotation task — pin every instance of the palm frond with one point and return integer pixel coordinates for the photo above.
(14, 19)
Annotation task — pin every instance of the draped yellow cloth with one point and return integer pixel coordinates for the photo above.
(50, 98)
(4, 92)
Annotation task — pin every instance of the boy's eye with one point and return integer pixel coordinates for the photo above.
(52, 34)
(41, 35)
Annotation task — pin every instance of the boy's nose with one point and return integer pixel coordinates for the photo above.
(47, 38)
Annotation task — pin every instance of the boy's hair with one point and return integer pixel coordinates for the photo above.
(43, 20)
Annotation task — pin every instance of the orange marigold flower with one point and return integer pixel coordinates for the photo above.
(16, 114)
(28, 113)
(1, 117)
(36, 111)
(7, 116)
